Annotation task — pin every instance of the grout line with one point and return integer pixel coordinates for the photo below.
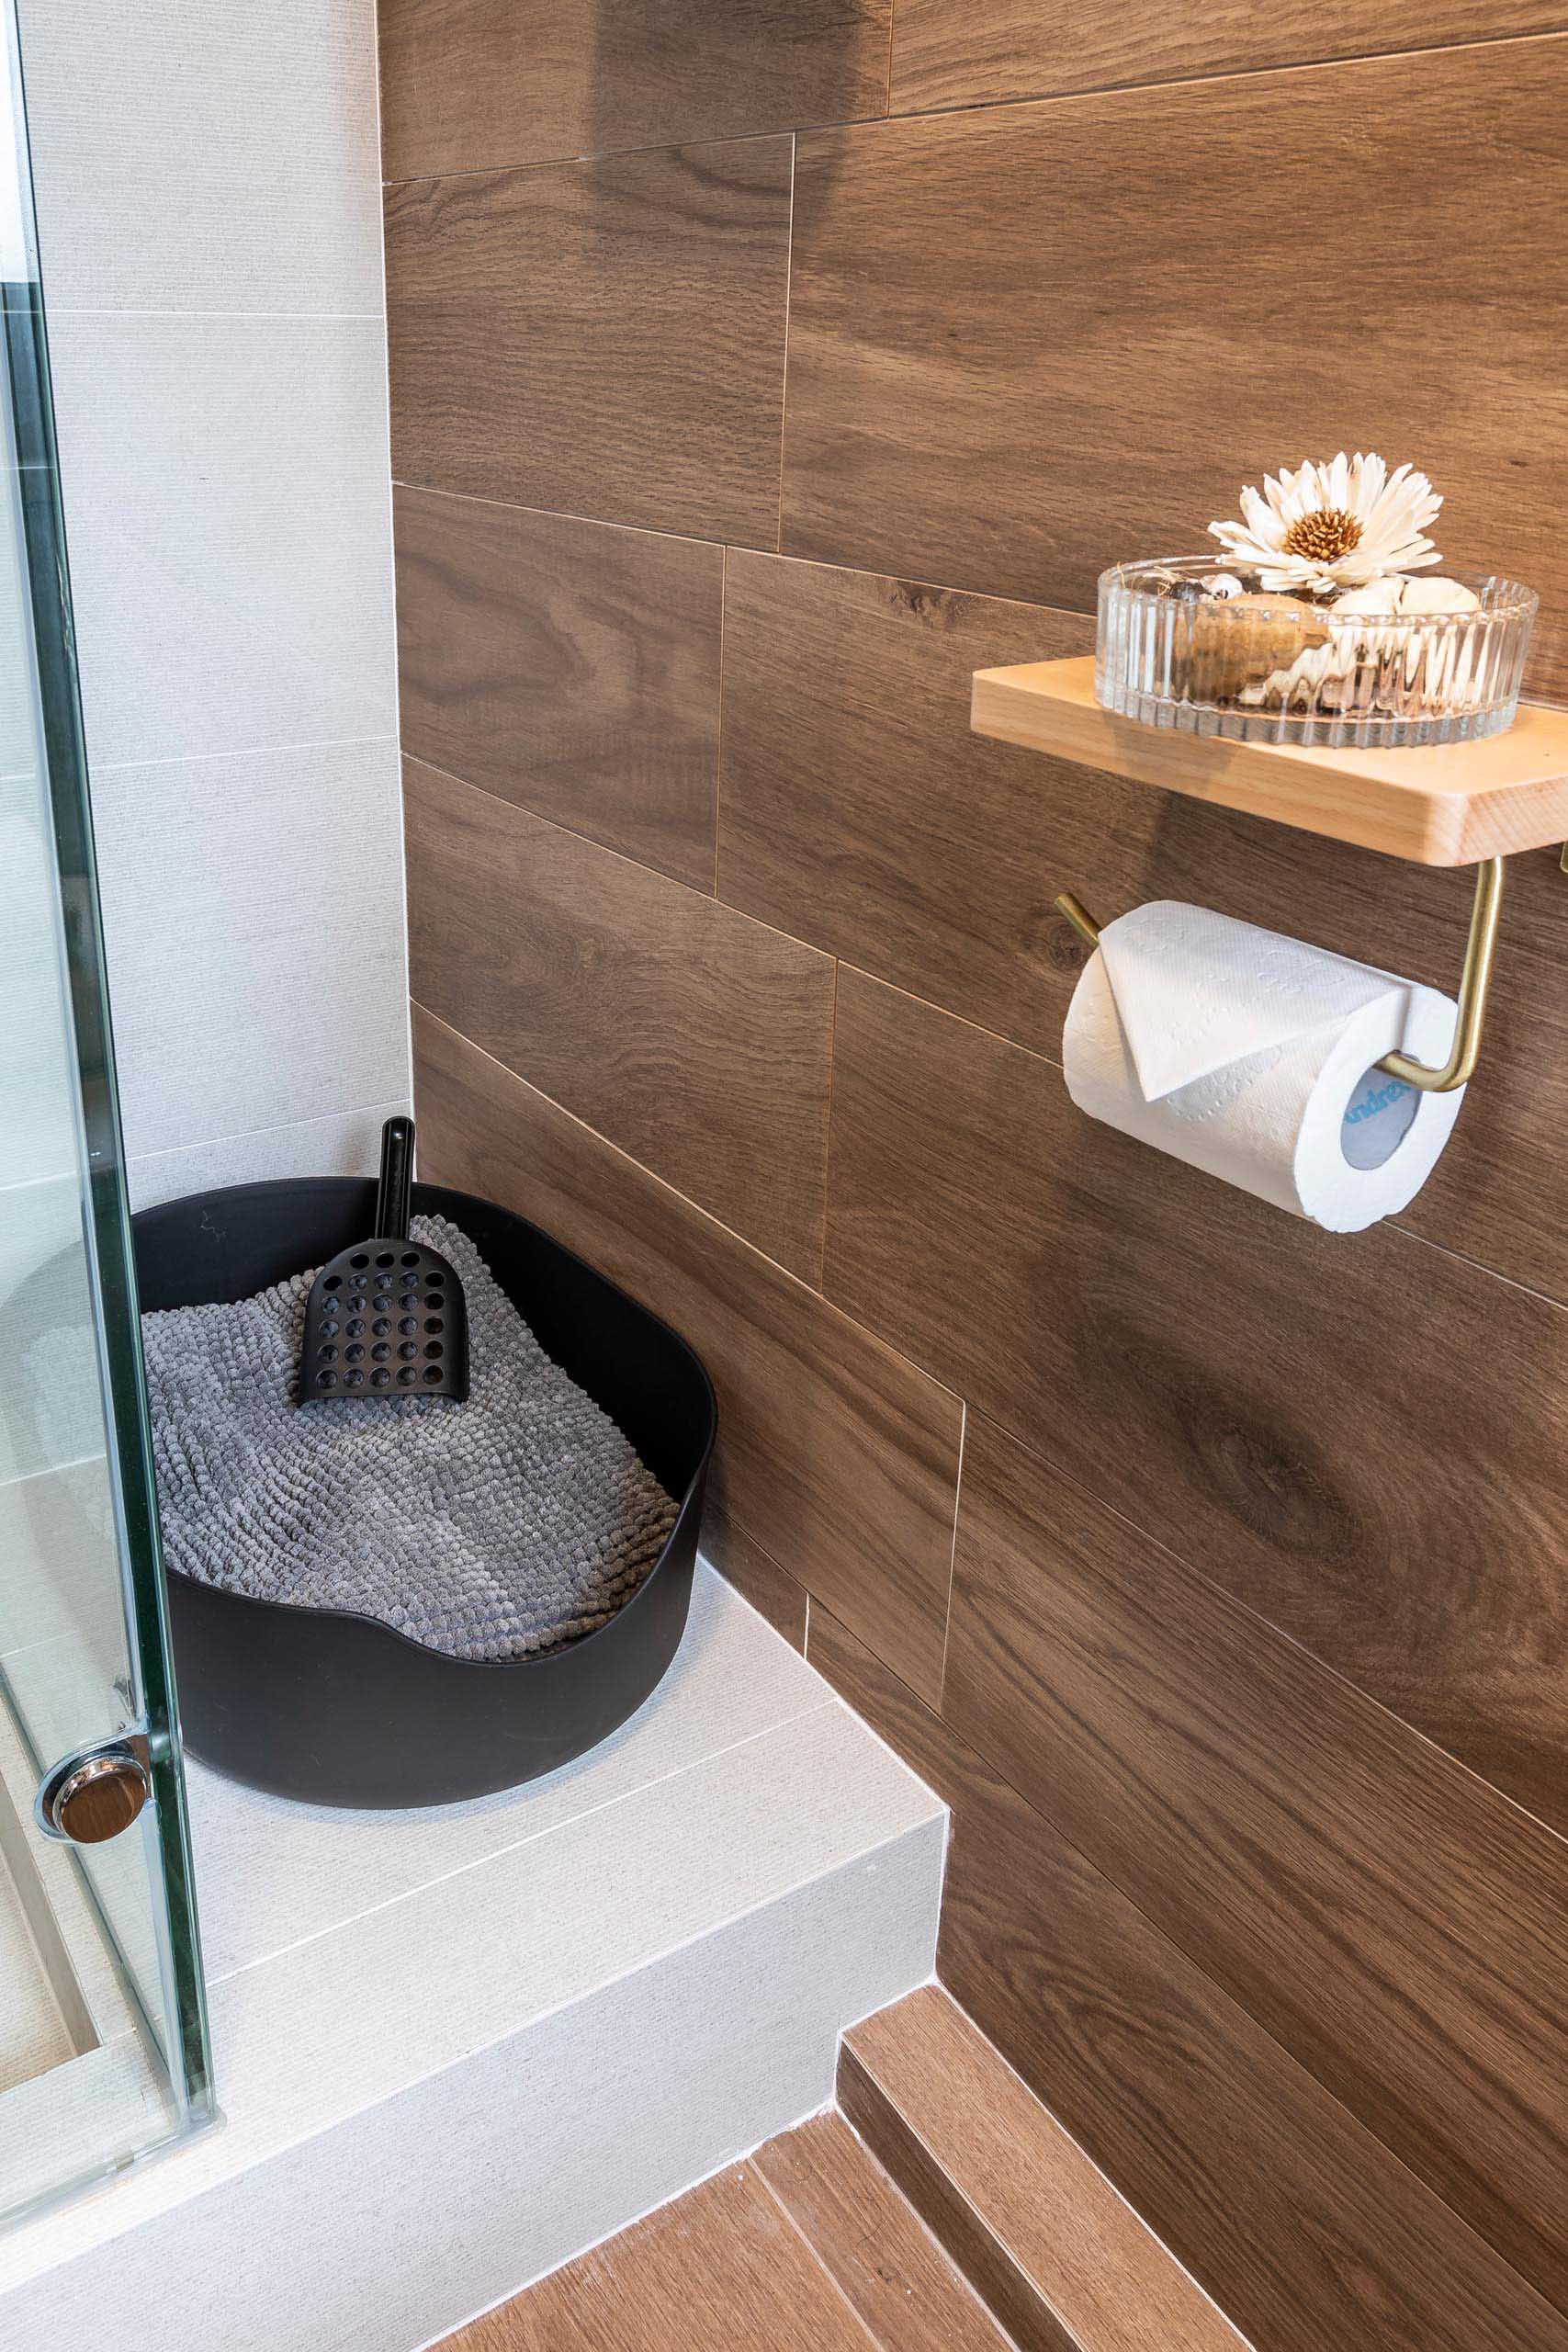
(593, 1989)
(623, 857)
(262, 318)
(718, 726)
(560, 514)
(944, 2254)
(1280, 67)
(586, 157)
(774, 555)
(788, 308)
(953, 1555)
(252, 1135)
(244, 752)
(999, 1036)
(836, 2285)
(357, 1920)
(650, 1175)
(828, 1130)
(1230, 1604)
(871, 122)
(1479, 1265)
(393, 578)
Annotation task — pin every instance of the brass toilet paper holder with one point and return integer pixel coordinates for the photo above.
(1474, 981)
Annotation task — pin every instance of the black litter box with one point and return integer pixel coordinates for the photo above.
(336, 1708)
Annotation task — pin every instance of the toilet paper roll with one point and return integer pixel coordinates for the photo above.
(1255, 1058)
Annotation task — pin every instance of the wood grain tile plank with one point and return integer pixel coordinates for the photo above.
(1051, 2212)
(990, 51)
(1390, 1920)
(721, 2269)
(858, 812)
(898, 2281)
(1025, 341)
(470, 84)
(1299, 1414)
(695, 1039)
(602, 339)
(1302, 2226)
(570, 667)
(840, 1456)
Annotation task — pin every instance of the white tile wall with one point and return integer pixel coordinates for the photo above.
(348, 1143)
(207, 176)
(226, 507)
(190, 155)
(254, 928)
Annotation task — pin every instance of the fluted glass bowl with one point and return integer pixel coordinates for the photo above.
(1194, 643)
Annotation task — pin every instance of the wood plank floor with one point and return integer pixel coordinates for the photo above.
(730, 2267)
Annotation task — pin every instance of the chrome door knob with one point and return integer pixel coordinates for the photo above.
(94, 1795)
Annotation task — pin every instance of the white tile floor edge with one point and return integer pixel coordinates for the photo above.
(500, 2032)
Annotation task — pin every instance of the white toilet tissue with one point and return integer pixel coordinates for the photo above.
(1255, 1058)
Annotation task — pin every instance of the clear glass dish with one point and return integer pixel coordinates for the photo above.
(1193, 642)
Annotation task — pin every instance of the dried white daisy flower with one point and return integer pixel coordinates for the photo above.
(1333, 525)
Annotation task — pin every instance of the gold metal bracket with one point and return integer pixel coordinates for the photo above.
(1474, 981)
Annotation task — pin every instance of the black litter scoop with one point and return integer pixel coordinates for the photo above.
(386, 1318)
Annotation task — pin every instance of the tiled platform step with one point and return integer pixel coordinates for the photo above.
(457, 2047)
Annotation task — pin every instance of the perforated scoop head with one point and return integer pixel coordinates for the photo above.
(386, 1318)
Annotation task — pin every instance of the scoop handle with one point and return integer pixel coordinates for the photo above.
(396, 1187)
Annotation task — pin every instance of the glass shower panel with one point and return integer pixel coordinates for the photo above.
(103, 2047)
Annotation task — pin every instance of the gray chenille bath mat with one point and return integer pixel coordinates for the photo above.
(495, 1528)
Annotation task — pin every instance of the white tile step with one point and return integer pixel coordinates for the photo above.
(457, 2047)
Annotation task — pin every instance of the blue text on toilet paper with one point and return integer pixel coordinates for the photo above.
(1376, 1119)
(1379, 1098)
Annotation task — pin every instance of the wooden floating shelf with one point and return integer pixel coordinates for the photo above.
(1453, 804)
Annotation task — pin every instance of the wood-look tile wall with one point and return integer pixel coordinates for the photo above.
(1215, 1569)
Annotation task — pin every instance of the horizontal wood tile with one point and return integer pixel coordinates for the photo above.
(1287, 1834)
(571, 667)
(714, 2271)
(989, 51)
(605, 339)
(1298, 1413)
(1302, 2226)
(837, 1454)
(897, 2281)
(470, 84)
(1077, 2251)
(1026, 341)
(857, 809)
(756, 1575)
(695, 1039)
